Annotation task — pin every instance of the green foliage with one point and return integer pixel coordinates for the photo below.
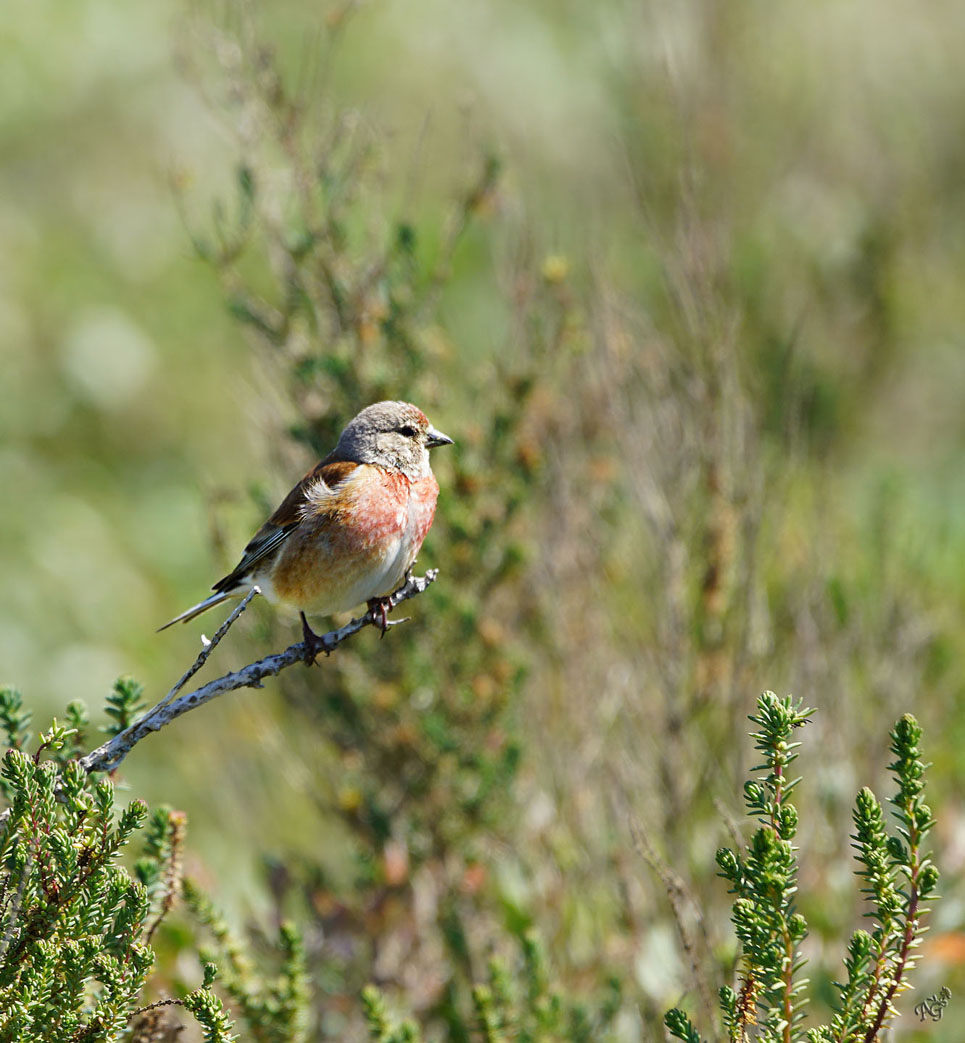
(210, 1015)
(679, 1026)
(524, 1003)
(768, 926)
(382, 1027)
(124, 703)
(73, 962)
(75, 924)
(14, 719)
(899, 877)
(272, 1008)
(523, 1007)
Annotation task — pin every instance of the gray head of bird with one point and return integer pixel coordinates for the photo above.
(395, 435)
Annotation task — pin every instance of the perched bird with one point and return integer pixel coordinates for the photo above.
(351, 528)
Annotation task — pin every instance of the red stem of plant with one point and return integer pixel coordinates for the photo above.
(907, 939)
(788, 944)
(909, 934)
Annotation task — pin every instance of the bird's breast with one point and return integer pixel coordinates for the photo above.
(423, 494)
(379, 511)
(359, 544)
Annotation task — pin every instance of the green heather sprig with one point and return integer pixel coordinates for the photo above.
(898, 876)
(75, 925)
(383, 1028)
(274, 1009)
(209, 1011)
(124, 704)
(14, 719)
(513, 1005)
(768, 926)
(71, 958)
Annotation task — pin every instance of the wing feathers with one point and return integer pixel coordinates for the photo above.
(286, 518)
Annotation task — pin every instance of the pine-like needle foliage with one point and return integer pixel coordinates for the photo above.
(899, 877)
(516, 1004)
(75, 924)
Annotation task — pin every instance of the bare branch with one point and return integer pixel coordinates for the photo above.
(207, 647)
(108, 756)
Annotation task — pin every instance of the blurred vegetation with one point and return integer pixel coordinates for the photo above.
(681, 281)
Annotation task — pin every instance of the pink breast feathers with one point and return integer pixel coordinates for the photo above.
(395, 507)
(423, 494)
(382, 508)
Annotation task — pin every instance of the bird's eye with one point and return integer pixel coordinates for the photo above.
(408, 431)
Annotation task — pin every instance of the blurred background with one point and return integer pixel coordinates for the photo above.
(683, 281)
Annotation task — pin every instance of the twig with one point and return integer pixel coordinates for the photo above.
(207, 647)
(678, 894)
(13, 912)
(156, 1005)
(108, 756)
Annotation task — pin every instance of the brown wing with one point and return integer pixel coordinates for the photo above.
(285, 519)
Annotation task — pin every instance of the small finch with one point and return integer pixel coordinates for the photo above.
(350, 530)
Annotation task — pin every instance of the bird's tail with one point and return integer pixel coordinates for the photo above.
(201, 606)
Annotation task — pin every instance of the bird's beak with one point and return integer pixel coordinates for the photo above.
(437, 438)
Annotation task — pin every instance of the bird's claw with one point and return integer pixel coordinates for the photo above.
(379, 613)
(314, 643)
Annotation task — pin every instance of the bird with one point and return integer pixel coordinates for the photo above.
(350, 530)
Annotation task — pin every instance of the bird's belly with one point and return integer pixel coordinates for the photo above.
(322, 583)
(375, 578)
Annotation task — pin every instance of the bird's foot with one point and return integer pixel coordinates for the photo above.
(379, 613)
(314, 643)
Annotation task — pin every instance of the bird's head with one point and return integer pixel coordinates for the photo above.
(395, 435)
